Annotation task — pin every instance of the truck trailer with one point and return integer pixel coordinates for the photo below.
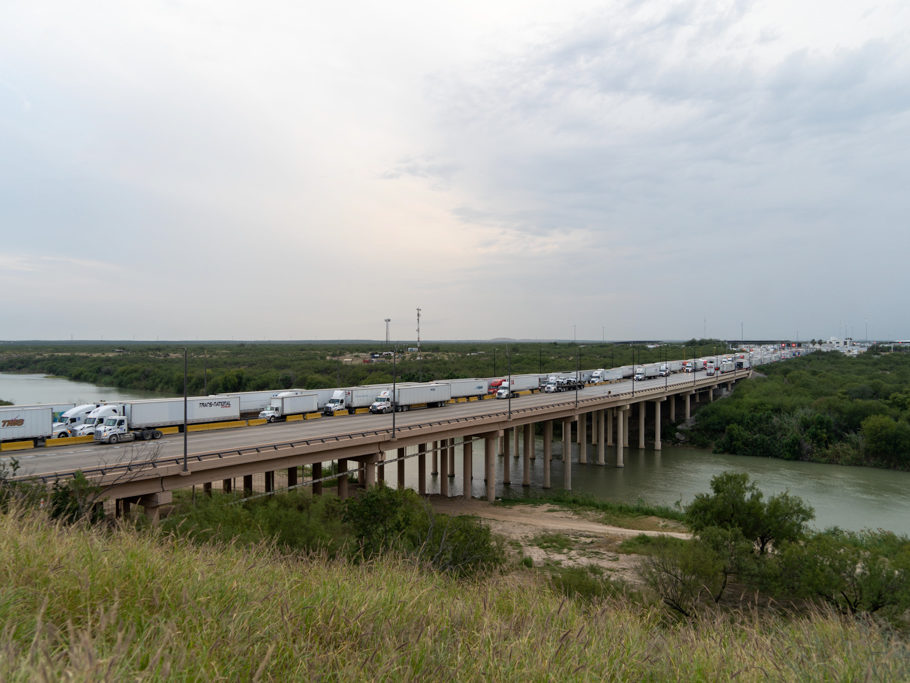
(289, 403)
(467, 388)
(353, 398)
(23, 423)
(408, 396)
(142, 420)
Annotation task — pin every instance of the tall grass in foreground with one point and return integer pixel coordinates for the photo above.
(89, 604)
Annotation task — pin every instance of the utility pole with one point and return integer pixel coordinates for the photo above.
(418, 333)
(387, 321)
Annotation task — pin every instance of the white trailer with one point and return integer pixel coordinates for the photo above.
(597, 376)
(467, 388)
(410, 395)
(22, 423)
(144, 418)
(625, 371)
(289, 403)
(252, 402)
(675, 365)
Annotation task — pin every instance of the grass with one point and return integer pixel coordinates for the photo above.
(556, 542)
(125, 604)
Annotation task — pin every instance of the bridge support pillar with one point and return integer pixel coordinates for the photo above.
(342, 479)
(710, 394)
(316, 473)
(467, 465)
(247, 484)
(517, 433)
(622, 423)
(151, 503)
(370, 465)
(611, 415)
(380, 468)
(624, 438)
(688, 406)
(227, 485)
(582, 438)
(657, 424)
(642, 413)
(269, 482)
(444, 474)
(672, 400)
(528, 432)
(547, 451)
(452, 458)
(435, 459)
(489, 463)
(601, 446)
(506, 456)
(401, 454)
(567, 454)
(422, 469)
(292, 476)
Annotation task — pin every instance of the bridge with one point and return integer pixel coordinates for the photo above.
(594, 425)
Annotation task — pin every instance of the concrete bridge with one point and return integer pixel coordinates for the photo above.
(591, 426)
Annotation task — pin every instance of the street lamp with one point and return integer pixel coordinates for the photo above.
(509, 357)
(577, 377)
(185, 445)
(394, 392)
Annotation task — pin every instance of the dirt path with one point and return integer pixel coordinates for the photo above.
(568, 538)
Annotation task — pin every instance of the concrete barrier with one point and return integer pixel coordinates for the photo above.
(256, 421)
(68, 440)
(293, 418)
(16, 445)
(312, 416)
(209, 426)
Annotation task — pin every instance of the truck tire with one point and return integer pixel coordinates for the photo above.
(156, 434)
(272, 419)
(62, 435)
(113, 439)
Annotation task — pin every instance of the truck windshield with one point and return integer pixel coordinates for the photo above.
(90, 421)
(110, 422)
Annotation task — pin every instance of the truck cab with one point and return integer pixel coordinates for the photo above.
(383, 403)
(336, 404)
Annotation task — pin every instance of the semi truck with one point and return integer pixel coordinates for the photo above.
(518, 383)
(407, 396)
(142, 420)
(96, 418)
(72, 419)
(351, 399)
(26, 423)
(289, 403)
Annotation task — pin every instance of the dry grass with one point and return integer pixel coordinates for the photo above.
(88, 604)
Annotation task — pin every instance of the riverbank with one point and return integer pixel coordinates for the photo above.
(552, 536)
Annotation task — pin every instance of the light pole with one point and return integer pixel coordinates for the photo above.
(394, 392)
(387, 321)
(577, 377)
(634, 369)
(185, 445)
(509, 357)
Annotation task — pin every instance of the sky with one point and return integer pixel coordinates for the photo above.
(534, 170)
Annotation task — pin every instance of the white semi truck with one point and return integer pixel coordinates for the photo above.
(516, 384)
(96, 418)
(351, 399)
(142, 420)
(72, 419)
(408, 396)
(289, 403)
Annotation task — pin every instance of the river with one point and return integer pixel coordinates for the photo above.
(853, 498)
(29, 389)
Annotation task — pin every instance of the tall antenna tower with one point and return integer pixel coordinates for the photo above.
(418, 332)
(387, 321)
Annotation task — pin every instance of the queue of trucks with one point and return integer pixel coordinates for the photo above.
(143, 419)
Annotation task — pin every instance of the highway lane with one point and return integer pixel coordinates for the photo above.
(89, 456)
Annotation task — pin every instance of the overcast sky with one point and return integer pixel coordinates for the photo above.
(289, 170)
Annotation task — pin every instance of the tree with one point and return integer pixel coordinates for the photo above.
(736, 503)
